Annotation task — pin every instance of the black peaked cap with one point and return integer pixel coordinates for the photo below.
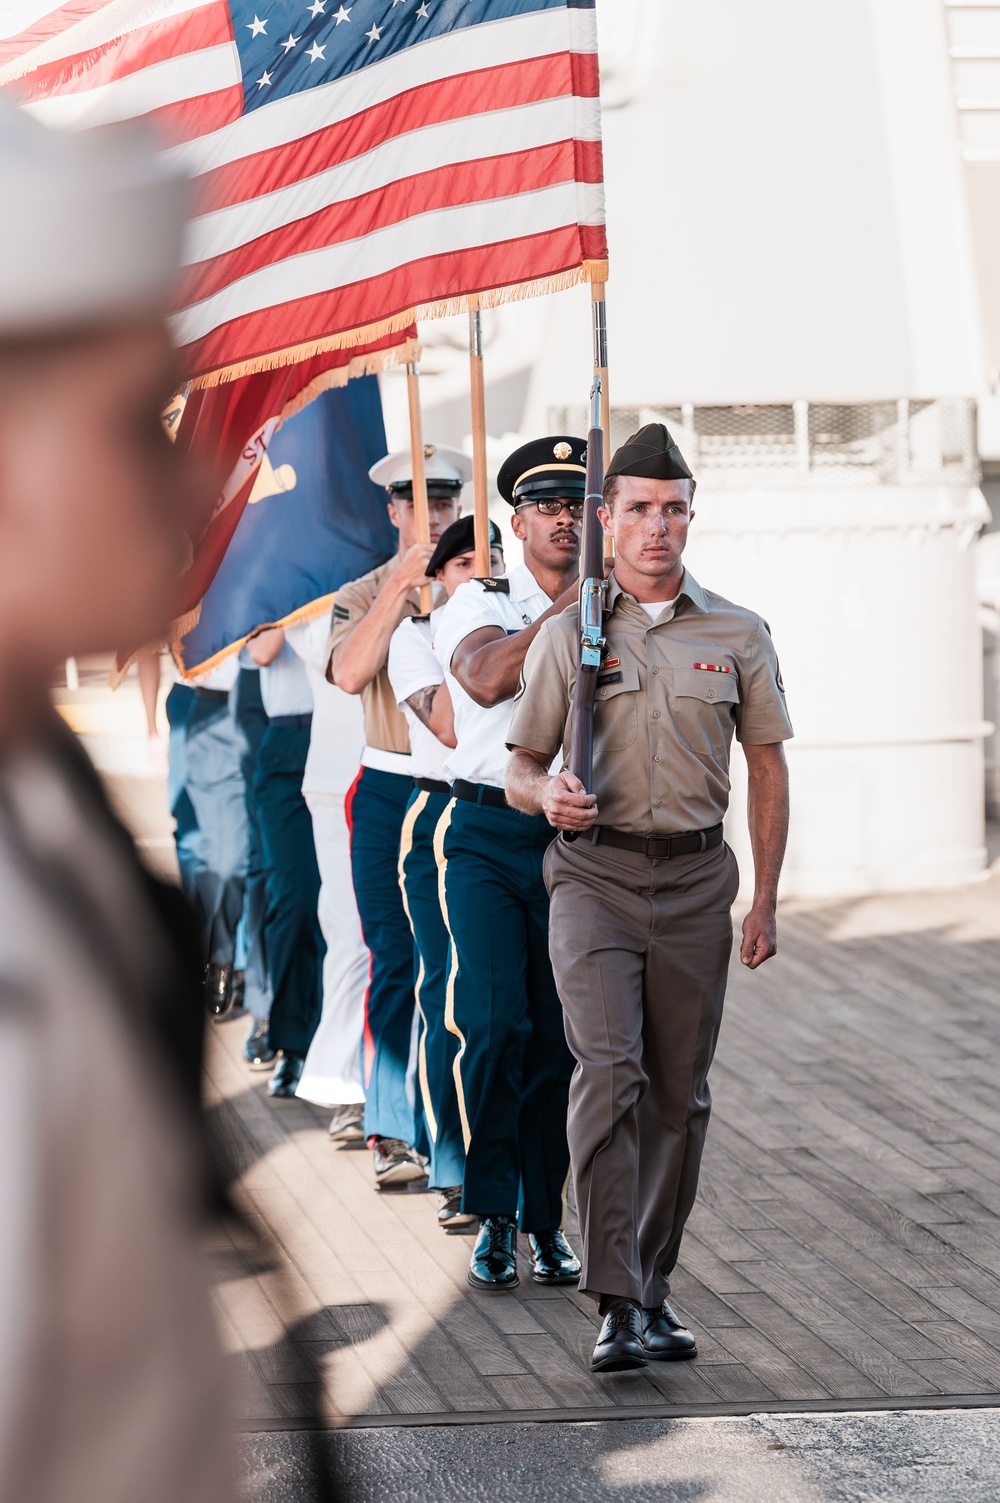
(553, 466)
(460, 537)
(651, 453)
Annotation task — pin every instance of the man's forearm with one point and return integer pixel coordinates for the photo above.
(364, 653)
(492, 673)
(433, 707)
(767, 811)
(525, 782)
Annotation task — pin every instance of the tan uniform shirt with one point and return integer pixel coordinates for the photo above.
(670, 695)
(385, 728)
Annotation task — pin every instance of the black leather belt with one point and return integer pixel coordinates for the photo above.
(431, 785)
(480, 793)
(656, 847)
(218, 695)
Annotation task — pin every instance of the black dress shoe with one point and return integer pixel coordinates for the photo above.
(451, 1217)
(239, 987)
(553, 1261)
(287, 1074)
(494, 1257)
(664, 1338)
(619, 1346)
(257, 1051)
(218, 991)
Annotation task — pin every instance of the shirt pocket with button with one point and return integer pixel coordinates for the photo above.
(704, 711)
(704, 683)
(616, 712)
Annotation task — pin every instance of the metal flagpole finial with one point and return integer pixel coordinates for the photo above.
(475, 334)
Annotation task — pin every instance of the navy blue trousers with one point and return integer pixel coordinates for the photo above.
(295, 943)
(251, 722)
(418, 872)
(376, 806)
(513, 1066)
(186, 838)
(210, 814)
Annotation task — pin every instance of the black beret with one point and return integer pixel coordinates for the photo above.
(553, 466)
(460, 537)
(651, 453)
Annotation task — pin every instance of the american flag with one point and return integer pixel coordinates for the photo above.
(357, 163)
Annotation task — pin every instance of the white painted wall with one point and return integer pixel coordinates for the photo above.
(871, 599)
(786, 212)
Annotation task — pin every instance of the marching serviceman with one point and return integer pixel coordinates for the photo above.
(512, 1068)
(365, 615)
(113, 1383)
(293, 938)
(417, 680)
(331, 1075)
(208, 803)
(640, 929)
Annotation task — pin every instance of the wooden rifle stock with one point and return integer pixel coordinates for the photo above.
(592, 592)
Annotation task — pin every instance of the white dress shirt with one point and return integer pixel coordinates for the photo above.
(338, 726)
(481, 754)
(413, 665)
(284, 687)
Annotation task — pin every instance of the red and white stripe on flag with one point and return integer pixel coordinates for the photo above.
(346, 188)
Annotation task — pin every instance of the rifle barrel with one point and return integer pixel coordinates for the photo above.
(581, 757)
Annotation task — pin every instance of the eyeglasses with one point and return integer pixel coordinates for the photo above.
(555, 508)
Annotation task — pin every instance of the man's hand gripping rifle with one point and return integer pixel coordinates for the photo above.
(593, 588)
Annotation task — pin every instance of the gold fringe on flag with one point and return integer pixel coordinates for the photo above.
(587, 271)
(321, 607)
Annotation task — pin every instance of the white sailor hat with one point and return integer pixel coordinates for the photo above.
(446, 470)
(92, 225)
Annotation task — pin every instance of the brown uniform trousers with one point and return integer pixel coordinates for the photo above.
(640, 949)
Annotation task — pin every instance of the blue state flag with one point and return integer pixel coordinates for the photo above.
(315, 522)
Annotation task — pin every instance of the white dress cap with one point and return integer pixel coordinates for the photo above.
(440, 463)
(92, 225)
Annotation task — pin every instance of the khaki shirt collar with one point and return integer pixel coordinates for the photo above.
(690, 589)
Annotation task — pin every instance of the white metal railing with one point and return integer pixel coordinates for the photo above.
(795, 444)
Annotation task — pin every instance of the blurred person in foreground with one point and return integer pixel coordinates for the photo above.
(112, 1385)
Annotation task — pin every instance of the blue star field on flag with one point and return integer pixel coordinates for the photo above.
(287, 46)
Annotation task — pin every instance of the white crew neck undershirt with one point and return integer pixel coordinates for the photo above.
(654, 608)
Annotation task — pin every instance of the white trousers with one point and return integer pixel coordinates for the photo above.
(331, 1075)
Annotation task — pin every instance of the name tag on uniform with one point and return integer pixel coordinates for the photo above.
(713, 667)
(608, 678)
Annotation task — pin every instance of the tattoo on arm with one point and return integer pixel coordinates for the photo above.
(422, 703)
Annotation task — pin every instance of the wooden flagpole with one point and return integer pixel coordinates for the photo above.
(480, 480)
(420, 510)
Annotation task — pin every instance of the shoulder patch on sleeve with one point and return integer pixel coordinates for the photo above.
(498, 586)
(341, 613)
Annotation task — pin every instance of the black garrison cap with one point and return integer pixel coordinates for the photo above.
(553, 466)
(651, 453)
(460, 537)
